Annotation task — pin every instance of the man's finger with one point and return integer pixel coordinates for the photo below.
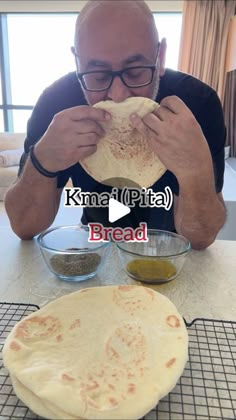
(90, 139)
(86, 112)
(162, 113)
(137, 123)
(153, 123)
(88, 126)
(85, 151)
(174, 104)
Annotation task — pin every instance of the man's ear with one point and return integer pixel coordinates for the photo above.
(162, 56)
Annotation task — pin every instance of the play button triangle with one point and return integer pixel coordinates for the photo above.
(117, 210)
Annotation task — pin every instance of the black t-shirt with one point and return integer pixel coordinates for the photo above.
(200, 99)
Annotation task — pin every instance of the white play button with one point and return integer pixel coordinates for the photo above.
(117, 210)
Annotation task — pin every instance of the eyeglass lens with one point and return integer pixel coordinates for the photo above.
(132, 77)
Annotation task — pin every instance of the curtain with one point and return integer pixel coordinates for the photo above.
(204, 40)
(230, 111)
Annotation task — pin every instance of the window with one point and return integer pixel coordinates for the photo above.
(169, 27)
(45, 55)
(1, 112)
(37, 52)
(1, 122)
(0, 88)
(20, 118)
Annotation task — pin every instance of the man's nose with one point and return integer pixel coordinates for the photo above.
(118, 92)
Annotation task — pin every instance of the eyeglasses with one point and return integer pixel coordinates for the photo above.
(132, 77)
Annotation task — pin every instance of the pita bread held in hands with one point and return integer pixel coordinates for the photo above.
(123, 152)
(109, 352)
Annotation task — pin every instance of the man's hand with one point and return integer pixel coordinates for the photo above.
(72, 135)
(178, 141)
(176, 137)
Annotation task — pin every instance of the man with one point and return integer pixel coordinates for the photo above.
(112, 36)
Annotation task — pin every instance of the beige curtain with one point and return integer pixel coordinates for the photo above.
(204, 40)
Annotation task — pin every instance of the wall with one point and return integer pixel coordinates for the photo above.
(76, 5)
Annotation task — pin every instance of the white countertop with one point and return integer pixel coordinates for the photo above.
(205, 288)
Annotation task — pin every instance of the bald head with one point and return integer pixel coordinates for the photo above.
(104, 11)
(116, 35)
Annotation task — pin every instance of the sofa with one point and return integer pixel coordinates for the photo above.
(11, 149)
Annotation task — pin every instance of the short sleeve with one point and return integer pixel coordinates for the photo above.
(215, 132)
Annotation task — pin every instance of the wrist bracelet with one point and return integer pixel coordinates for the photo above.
(38, 165)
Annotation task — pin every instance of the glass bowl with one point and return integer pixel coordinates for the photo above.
(157, 261)
(68, 253)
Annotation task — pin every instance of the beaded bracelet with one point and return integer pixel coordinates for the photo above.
(38, 165)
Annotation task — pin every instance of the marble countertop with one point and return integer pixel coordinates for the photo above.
(205, 288)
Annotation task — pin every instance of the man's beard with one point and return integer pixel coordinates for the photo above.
(156, 82)
(85, 95)
(156, 87)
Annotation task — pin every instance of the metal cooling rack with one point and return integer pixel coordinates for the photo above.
(10, 406)
(206, 390)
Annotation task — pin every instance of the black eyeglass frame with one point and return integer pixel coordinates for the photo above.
(113, 74)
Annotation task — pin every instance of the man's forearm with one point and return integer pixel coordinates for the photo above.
(199, 213)
(32, 202)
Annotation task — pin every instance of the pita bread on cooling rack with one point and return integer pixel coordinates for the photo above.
(123, 152)
(109, 352)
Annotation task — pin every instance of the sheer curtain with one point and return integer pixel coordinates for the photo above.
(204, 40)
(230, 111)
(230, 89)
